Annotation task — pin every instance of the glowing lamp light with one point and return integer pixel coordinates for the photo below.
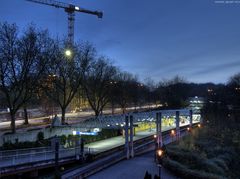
(160, 152)
(155, 136)
(188, 128)
(199, 125)
(172, 132)
(74, 132)
(68, 53)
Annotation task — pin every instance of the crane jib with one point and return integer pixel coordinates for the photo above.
(69, 9)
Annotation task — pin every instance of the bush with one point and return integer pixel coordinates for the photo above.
(184, 172)
(63, 139)
(40, 136)
(201, 156)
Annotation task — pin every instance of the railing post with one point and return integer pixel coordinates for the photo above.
(56, 157)
(13, 160)
(191, 118)
(177, 125)
(126, 136)
(31, 157)
(131, 136)
(159, 131)
(45, 155)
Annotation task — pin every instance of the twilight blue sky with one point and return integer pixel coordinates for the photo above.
(196, 39)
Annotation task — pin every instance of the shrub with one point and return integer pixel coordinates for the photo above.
(40, 136)
(184, 172)
(63, 139)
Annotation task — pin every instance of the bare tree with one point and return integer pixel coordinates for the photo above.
(174, 92)
(234, 90)
(124, 89)
(22, 60)
(150, 87)
(97, 83)
(234, 80)
(64, 74)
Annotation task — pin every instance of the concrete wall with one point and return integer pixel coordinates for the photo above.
(32, 135)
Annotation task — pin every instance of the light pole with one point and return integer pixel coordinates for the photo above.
(160, 155)
(155, 143)
(56, 146)
(172, 134)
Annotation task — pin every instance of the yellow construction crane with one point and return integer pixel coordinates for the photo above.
(70, 9)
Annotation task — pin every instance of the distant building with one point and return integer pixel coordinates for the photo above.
(196, 104)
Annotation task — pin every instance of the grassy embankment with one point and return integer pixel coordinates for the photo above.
(206, 153)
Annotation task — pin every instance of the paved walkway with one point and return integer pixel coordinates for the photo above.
(133, 169)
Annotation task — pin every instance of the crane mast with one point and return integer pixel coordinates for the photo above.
(70, 9)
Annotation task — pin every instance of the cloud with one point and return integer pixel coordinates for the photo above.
(217, 68)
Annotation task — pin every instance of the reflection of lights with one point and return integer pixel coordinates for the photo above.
(154, 136)
(199, 125)
(108, 125)
(74, 132)
(188, 128)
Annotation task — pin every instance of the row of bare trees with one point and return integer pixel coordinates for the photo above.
(34, 66)
(23, 59)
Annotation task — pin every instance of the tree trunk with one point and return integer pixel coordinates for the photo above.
(123, 110)
(25, 115)
(63, 115)
(13, 125)
(96, 113)
(112, 108)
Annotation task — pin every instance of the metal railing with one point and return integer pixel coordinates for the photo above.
(26, 156)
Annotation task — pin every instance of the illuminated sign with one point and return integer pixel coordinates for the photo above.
(84, 133)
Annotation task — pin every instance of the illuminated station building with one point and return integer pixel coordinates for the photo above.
(196, 104)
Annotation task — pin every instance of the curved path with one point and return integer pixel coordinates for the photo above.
(133, 168)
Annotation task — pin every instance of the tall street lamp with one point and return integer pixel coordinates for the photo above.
(160, 155)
